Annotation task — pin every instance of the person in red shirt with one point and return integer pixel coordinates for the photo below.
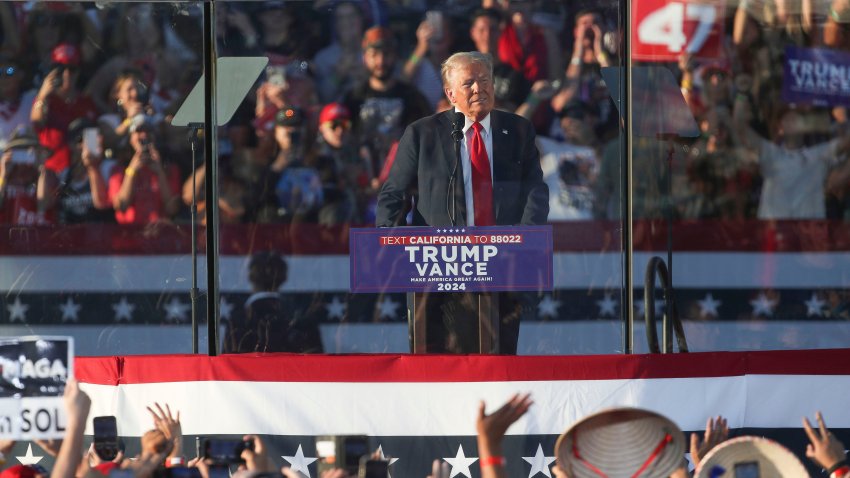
(145, 192)
(25, 182)
(522, 45)
(58, 103)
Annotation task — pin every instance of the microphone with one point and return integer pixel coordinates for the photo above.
(457, 126)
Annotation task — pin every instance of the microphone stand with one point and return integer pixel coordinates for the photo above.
(457, 135)
(194, 293)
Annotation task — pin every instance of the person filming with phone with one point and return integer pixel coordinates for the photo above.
(146, 191)
(25, 182)
(58, 103)
(82, 194)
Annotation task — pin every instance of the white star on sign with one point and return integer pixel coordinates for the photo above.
(548, 306)
(123, 310)
(814, 306)
(460, 463)
(336, 309)
(224, 308)
(70, 311)
(539, 462)
(18, 311)
(176, 310)
(384, 457)
(29, 458)
(299, 462)
(607, 306)
(708, 306)
(763, 305)
(388, 307)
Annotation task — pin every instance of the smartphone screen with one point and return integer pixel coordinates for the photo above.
(435, 19)
(105, 437)
(224, 451)
(374, 469)
(91, 140)
(355, 448)
(748, 469)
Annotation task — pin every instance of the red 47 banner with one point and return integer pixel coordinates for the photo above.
(663, 29)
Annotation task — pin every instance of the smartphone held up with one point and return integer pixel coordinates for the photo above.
(105, 437)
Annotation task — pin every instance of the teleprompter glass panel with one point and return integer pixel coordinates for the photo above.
(305, 158)
(96, 235)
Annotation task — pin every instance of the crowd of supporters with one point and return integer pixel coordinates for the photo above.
(88, 91)
(617, 441)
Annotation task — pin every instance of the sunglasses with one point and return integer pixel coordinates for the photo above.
(334, 124)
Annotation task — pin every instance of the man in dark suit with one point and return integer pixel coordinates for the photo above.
(498, 181)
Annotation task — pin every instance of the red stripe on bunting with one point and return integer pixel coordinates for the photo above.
(453, 368)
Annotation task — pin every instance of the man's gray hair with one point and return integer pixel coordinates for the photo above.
(464, 58)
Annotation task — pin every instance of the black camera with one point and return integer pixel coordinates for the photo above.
(226, 452)
(341, 451)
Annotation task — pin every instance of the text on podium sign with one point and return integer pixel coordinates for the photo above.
(450, 259)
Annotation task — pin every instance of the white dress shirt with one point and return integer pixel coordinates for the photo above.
(466, 163)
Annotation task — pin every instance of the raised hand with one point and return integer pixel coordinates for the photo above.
(169, 425)
(825, 449)
(716, 432)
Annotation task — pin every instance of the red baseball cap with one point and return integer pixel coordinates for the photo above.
(378, 37)
(66, 54)
(334, 111)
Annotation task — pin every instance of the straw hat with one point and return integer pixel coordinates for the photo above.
(620, 442)
(750, 453)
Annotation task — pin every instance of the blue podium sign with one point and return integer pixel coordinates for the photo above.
(450, 259)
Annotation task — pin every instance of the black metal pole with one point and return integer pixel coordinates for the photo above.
(211, 184)
(626, 216)
(194, 293)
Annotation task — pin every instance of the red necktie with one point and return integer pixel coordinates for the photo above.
(482, 179)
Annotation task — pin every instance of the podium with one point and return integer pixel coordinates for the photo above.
(460, 281)
(487, 313)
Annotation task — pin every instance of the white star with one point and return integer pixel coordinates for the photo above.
(384, 457)
(539, 462)
(763, 305)
(176, 310)
(18, 311)
(123, 310)
(299, 462)
(463, 230)
(29, 458)
(336, 309)
(388, 307)
(708, 306)
(70, 311)
(460, 463)
(548, 307)
(814, 306)
(607, 306)
(224, 308)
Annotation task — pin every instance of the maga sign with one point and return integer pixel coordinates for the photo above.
(426, 259)
(33, 372)
(664, 29)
